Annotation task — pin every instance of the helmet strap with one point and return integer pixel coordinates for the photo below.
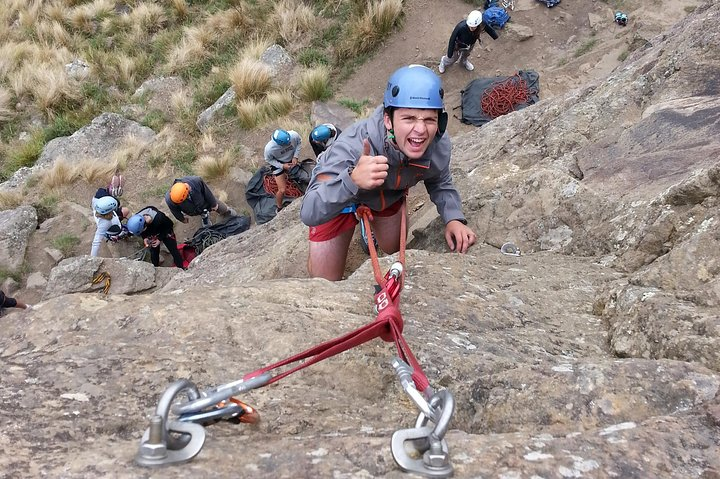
(442, 123)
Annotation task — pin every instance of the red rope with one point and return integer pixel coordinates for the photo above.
(503, 96)
(388, 324)
(291, 191)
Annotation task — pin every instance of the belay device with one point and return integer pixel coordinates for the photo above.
(421, 449)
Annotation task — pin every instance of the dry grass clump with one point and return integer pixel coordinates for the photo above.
(292, 20)
(51, 33)
(14, 54)
(229, 22)
(314, 84)
(10, 199)
(5, 111)
(250, 113)
(94, 171)
(250, 78)
(145, 20)
(47, 84)
(62, 173)
(181, 9)
(87, 18)
(375, 24)
(302, 127)
(191, 50)
(211, 167)
(277, 103)
(255, 47)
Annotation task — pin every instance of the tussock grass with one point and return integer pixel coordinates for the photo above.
(180, 101)
(190, 51)
(212, 167)
(28, 15)
(229, 22)
(277, 103)
(52, 33)
(130, 152)
(180, 8)
(292, 20)
(13, 54)
(95, 172)
(371, 28)
(5, 111)
(61, 174)
(56, 12)
(10, 199)
(250, 113)
(126, 68)
(250, 78)
(314, 84)
(147, 18)
(255, 47)
(49, 85)
(207, 142)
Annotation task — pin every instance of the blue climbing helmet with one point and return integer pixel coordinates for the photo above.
(417, 86)
(281, 137)
(136, 224)
(414, 86)
(105, 205)
(321, 133)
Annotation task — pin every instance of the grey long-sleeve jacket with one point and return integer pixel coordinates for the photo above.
(324, 200)
(199, 199)
(277, 155)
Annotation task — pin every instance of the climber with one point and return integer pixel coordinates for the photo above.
(373, 163)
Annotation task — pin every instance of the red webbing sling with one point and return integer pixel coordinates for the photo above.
(388, 324)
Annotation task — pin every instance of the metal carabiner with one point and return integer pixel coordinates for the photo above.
(220, 394)
(157, 446)
(404, 373)
(408, 445)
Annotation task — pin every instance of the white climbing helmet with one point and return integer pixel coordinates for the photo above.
(474, 18)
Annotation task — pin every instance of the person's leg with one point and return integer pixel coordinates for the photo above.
(447, 61)
(386, 230)
(281, 182)
(222, 208)
(155, 255)
(326, 259)
(463, 57)
(172, 247)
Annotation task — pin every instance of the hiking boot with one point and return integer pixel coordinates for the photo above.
(469, 66)
(441, 67)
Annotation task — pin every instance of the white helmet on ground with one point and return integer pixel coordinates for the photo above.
(474, 18)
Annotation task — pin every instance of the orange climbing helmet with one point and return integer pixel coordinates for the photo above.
(179, 192)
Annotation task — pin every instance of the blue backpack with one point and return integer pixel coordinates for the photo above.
(496, 17)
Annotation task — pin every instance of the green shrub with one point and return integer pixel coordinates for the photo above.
(585, 47)
(66, 243)
(312, 57)
(356, 106)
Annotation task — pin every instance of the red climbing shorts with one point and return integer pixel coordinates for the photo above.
(346, 221)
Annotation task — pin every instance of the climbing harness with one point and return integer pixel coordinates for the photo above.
(363, 232)
(510, 249)
(503, 96)
(421, 450)
(99, 278)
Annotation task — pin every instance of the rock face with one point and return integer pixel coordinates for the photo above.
(16, 226)
(594, 354)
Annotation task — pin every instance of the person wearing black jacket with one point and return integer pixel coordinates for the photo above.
(154, 227)
(463, 39)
